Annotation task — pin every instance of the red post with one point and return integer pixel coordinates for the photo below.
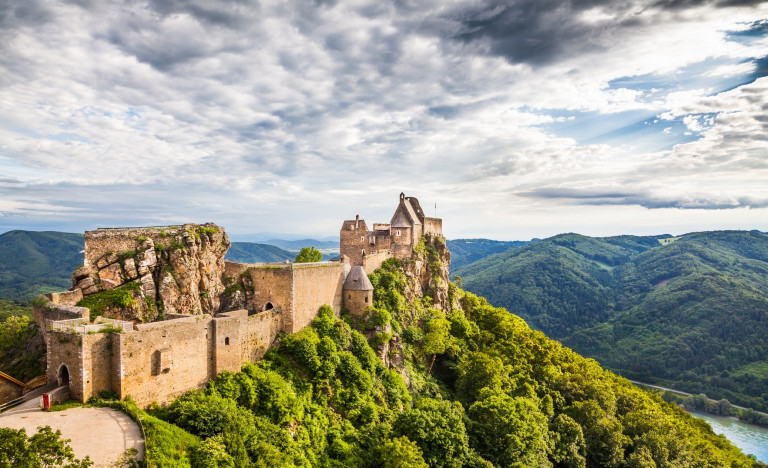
(46, 401)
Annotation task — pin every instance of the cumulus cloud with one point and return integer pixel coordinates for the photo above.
(166, 109)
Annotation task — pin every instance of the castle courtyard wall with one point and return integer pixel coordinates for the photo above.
(96, 355)
(273, 283)
(315, 284)
(262, 330)
(162, 360)
(373, 261)
(65, 349)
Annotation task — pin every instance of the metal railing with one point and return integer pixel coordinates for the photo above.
(82, 325)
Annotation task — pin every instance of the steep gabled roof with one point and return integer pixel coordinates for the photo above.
(401, 222)
(406, 208)
(357, 280)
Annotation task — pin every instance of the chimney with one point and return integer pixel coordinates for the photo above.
(357, 221)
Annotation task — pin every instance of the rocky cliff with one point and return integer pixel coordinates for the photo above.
(138, 274)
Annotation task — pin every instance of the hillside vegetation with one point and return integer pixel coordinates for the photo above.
(691, 313)
(466, 251)
(34, 263)
(466, 385)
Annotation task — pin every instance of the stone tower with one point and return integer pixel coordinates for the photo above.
(357, 291)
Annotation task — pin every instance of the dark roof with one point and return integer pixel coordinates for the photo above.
(414, 202)
(401, 221)
(357, 280)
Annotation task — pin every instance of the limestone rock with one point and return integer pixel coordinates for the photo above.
(130, 268)
(111, 276)
(169, 294)
(148, 287)
(85, 283)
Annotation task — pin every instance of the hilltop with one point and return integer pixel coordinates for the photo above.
(689, 312)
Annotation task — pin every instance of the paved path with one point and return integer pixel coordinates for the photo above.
(102, 433)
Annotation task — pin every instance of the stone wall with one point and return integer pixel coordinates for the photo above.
(357, 301)
(227, 344)
(262, 330)
(65, 349)
(315, 284)
(353, 240)
(96, 355)
(272, 285)
(433, 226)
(373, 261)
(162, 360)
(48, 312)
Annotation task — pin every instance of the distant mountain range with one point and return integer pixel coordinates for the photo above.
(33, 263)
(250, 252)
(691, 312)
(466, 251)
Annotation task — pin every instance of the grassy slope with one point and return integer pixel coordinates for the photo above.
(688, 313)
(32, 262)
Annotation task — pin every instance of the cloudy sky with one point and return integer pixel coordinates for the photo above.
(516, 118)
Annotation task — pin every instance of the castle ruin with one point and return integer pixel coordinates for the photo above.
(157, 311)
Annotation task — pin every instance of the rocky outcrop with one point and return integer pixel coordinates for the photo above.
(143, 272)
(427, 271)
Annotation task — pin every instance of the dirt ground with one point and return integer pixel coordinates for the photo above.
(102, 433)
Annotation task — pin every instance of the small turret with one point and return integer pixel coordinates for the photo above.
(358, 291)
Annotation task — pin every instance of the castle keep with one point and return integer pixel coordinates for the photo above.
(157, 311)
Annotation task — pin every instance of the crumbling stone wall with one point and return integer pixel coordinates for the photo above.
(162, 360)
(433, 226)
(45, 311)
(96, 355)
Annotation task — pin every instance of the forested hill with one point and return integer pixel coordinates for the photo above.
(691, 311)
(466, 251)
(251, 252)
(32, 263)
(430, 376)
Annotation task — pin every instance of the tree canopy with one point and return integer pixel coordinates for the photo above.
(308, 255)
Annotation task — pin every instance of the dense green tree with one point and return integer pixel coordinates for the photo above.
(567, 440)
(437, 427)
(45, 448)
(308, 255)
(401, 453)
(509, 431)
(212, 453)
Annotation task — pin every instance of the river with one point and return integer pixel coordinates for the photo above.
(749, 438)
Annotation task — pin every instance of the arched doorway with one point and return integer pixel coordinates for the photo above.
(268, 306)
(63, 378)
